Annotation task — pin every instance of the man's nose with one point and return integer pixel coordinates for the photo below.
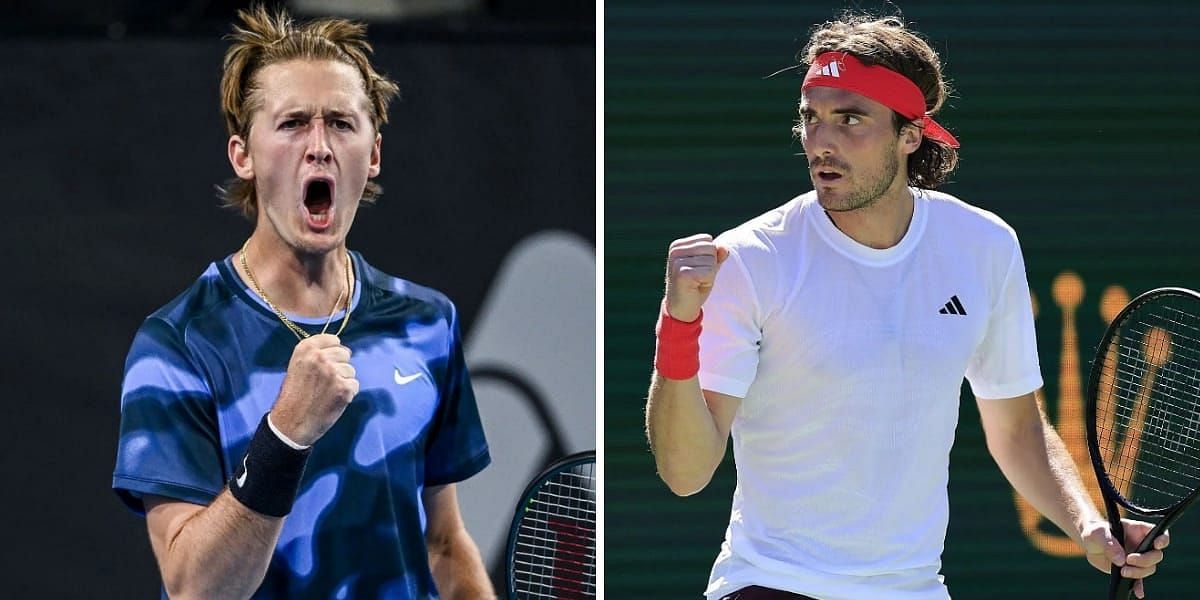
(318, 150)
(818, 140)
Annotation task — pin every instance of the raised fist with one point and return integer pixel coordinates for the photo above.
(319, 385)
(692, 265)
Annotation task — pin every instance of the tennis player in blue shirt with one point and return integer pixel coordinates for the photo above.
(293, 424)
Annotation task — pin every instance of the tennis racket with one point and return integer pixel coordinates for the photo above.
(552, 542)
(1143, 414)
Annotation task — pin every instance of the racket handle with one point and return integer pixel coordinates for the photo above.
(1119, 588)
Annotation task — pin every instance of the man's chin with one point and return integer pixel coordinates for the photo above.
(844, 202)
(314, 244)
(833, 201)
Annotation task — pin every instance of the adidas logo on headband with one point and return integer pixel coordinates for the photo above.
(830, 70)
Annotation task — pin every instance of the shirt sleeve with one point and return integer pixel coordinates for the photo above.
(457, 448)
(730, 334)
(169, 442)
(1005, 364)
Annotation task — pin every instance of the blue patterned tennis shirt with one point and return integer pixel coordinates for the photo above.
(204, 369)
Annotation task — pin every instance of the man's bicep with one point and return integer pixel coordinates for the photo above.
(165, 517)
(441, 509)
(723, 408)
(1003, 418)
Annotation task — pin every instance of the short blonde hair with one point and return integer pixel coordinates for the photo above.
(263, 39)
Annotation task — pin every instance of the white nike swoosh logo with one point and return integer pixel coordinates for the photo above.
(241, 480)
(403, 379)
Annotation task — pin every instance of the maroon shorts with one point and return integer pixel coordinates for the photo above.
(756, 592)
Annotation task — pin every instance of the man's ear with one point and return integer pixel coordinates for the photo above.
(239, 157)
(910, 138)
(376, 157)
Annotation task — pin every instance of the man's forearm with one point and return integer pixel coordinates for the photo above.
(220, 551)
(1078, 505)
(458, 569)
(683, 434)
(1038, 465)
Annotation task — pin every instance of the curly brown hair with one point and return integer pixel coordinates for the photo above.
(886, 41)
(264, 38)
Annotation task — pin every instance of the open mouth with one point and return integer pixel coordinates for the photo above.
(318, 201)
(828, 176)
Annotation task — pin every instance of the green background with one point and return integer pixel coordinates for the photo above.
(1079, 127)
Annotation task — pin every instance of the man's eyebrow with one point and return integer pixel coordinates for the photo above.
(841, 110)
(339, 114)
(307, 113)
(294, 113)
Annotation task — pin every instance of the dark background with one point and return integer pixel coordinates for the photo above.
(112, 142)
(1079, 127)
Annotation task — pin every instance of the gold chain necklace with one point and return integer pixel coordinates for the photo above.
(295, 329)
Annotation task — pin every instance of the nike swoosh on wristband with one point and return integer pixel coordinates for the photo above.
(403, 379)
(241, 480)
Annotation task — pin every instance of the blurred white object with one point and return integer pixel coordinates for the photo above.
(534, 341)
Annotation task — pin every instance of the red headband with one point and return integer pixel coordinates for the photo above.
(879, 83)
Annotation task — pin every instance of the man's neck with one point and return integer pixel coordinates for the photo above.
(297, 283)
(880, 225)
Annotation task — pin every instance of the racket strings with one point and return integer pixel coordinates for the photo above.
(1148, 408)
(1173, 403)
(1153, 434)
(555, 549)
(1159, 427)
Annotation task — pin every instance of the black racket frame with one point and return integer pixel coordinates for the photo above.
(565, 463)
(1120, 587)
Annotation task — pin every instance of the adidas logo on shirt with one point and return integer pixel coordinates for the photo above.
(953, 307)
(831, 70)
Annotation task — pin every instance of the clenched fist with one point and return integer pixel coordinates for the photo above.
(319, 385)
(692, 265)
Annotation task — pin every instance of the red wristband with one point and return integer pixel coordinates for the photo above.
(677, 354)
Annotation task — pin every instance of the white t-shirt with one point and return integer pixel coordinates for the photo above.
(849, 361)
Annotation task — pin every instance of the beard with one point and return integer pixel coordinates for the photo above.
(864, 195)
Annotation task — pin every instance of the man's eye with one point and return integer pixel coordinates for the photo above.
(291, 124)
(341, 125)
(852, 120)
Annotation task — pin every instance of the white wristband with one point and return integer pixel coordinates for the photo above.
(283, 438)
